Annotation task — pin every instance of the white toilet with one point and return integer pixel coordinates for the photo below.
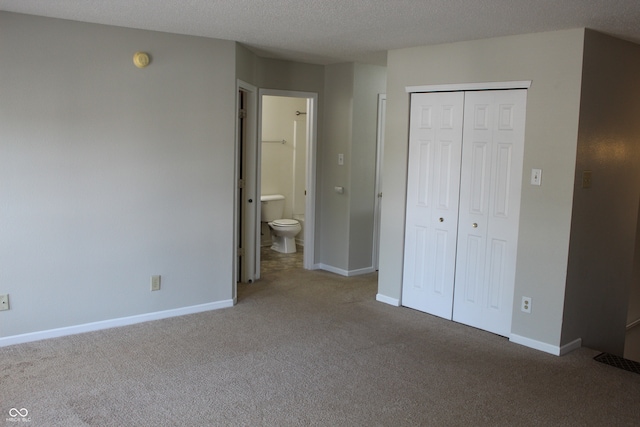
(283, 231)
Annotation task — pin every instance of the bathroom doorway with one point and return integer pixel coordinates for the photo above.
(286, 166)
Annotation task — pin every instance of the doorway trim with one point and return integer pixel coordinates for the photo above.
(382, 112)
(244, 152)
(455, 87)
(310, 202)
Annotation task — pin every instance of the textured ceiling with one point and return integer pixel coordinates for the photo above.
(329, 31)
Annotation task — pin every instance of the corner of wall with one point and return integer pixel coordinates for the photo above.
(597, 290)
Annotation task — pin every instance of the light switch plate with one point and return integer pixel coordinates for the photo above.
(536, 177)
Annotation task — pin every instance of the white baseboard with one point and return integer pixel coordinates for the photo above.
(573, 345)
(113, 323)
(388, 300)
(361, 271)
(345, 273)
(332, 269)
(633, 324)
(547, 348)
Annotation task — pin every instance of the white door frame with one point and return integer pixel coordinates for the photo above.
(454, 87)
(382, 112)
(310, 202)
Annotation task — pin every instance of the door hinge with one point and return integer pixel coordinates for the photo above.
(242, 114)
(241, 183)
(240, 252)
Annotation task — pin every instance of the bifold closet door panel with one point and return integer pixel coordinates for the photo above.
(489, 211)
(435, 144)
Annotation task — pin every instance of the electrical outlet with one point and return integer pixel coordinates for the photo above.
(155, 283)
(4, 302)
(526, 305)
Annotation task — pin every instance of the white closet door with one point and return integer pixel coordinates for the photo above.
(435, 143)
(491, 179)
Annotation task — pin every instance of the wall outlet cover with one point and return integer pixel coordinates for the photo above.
(4, 302)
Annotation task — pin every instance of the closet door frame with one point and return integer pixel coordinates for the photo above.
(462, 87)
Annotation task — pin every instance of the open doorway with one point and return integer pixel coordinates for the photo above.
(283, 148)
(248, 229)
(286, 170)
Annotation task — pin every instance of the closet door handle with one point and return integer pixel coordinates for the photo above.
(441, 219)
(474, 225)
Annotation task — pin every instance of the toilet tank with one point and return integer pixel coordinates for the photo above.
(271, 207)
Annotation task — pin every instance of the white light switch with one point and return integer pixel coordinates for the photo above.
(155, 283)
(340, 159)
(536, 176)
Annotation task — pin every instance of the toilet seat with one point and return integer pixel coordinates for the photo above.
(285, 222)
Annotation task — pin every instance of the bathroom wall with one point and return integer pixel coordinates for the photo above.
(299, 163)
(281, 166)
(300, 172)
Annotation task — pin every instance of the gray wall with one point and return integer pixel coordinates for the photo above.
(369, 81)
(553, 61)
(246, 65)
(338, 113)
(351, 93)
(605, 216)
(111, 173)
(266, 73)
(347, 119)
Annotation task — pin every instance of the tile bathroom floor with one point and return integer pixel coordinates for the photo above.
(272, 261)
